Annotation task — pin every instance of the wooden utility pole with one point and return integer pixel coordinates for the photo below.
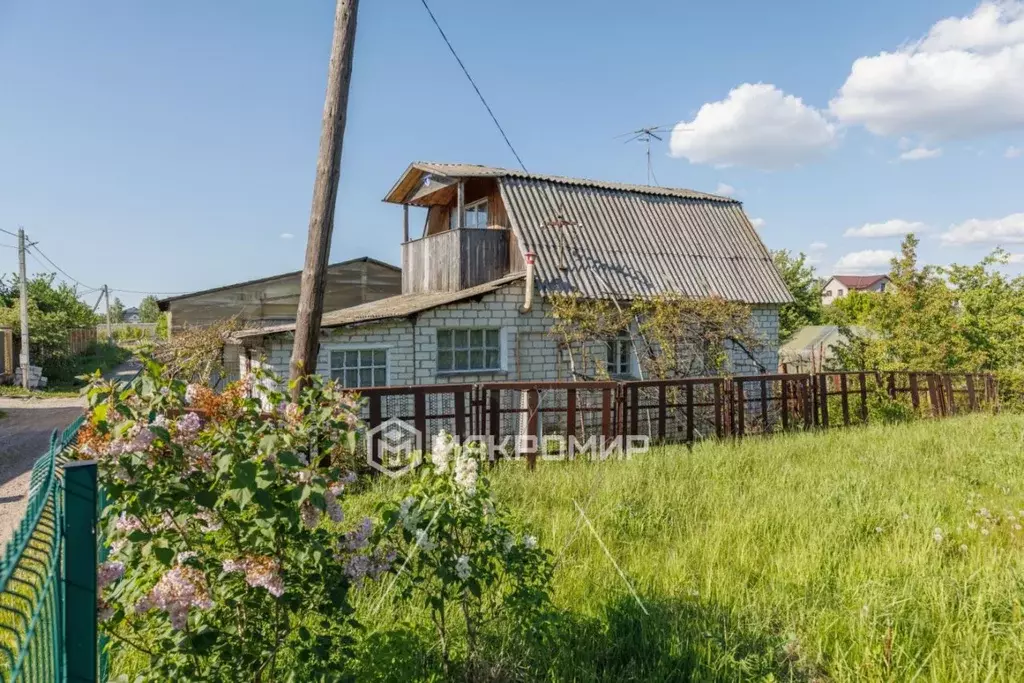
(106, 297)
(23, 281)
(325, 194)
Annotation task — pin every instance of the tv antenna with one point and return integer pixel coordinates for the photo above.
(645, 135)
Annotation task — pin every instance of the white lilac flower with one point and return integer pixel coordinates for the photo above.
(127, 523)
(209, 521)
(260, 572)
(508, 543)
(184, 557)
(462, 567)
(937, 535)
(310, 515)
(530, 542)
(423, 541)
(160, 421)
(191, 394)
(466, 472)
(178, 590)
(409, 516)
(109, 572)
(441, 452)
(334, 511)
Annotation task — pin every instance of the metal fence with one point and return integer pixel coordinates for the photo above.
(47, 604)
(681, 410)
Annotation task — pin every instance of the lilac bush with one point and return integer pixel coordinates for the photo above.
(221, 564)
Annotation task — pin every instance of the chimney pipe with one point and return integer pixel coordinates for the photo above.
(528, 301)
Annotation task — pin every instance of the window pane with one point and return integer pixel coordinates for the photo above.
(380, 377)
(461, 361)
(492, 359)
(444, 360)
(476, 359)
(366, 377)
(461, 339)
(365, 358)
(336, 374)
(337, 360)
(380, 357)
(493, 338)
(351, 359)
(476, 338)
(351, 378)
(444, 339)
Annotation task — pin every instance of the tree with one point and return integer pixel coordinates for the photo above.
(805, 286)
(853, 309)
(149, 310)
(52, 312)
(117, 311)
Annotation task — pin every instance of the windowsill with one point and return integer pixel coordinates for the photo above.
(450, 373)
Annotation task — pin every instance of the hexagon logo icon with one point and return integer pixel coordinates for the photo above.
(394, 447)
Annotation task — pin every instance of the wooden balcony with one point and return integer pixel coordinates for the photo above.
(456, 259)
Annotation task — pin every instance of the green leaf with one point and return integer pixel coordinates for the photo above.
(165, 555)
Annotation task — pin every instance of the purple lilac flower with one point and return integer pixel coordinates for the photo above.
(358, 538)
(109, 572)
(178, 590)
(310, 515)
(188, 426)
(260, 572)
(334, 510)
(127, 523)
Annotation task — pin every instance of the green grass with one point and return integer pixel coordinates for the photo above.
(63, 379)
(802, 557)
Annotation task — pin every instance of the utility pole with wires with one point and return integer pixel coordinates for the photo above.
(110, 331)
(23, 282)
(325, 194)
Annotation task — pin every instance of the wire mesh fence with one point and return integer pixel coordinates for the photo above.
(32, 615)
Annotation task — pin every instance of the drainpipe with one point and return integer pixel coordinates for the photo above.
(528, 301)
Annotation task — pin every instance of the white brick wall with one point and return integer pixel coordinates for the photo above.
(529, 350)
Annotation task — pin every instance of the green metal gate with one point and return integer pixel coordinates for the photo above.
(42, 612)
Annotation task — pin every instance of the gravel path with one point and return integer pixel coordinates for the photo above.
(24, 436)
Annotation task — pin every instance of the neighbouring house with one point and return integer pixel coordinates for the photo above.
(812, 347)
(274, 300)
(497, 243)
(839, 286)
(131, 315)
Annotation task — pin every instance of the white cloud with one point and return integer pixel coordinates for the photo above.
(1013, 152)
(757, 222)
(818, 246)
(757, 125)
(725, 189)
(1015, 258)
(966, 77)
(891, 228)
(919, 153)
(993, 231)
(287, 235)
(862, 261)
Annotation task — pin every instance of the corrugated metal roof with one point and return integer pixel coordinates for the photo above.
(401, 306)
(859, 281)
(626, 242)
(405, 183)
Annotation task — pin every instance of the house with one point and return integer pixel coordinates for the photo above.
(840, 285)
(131, 315)
(813, 347)
(498, 243)
(274, 300)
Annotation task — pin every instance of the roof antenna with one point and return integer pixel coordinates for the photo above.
(645, 135)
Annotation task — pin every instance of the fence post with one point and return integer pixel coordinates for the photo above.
(80, 549)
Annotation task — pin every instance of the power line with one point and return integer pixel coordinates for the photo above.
(61, 270)
(473, 83)
(12, 234)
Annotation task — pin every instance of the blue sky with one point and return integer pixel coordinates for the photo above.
(166, 147)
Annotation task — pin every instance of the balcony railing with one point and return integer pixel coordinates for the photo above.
(455, 259)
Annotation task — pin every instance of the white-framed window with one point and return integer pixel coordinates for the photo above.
(839, 293)
(360, 367)
(620, 356)
(828, 293)
(468, 350)
(476, 215)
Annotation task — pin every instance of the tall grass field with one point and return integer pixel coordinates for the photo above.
(884, 553)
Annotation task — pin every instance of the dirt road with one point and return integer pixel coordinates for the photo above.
(24, 436)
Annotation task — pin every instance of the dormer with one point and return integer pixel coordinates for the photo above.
(466, 239)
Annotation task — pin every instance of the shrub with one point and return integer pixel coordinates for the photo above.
(466, 564)
(220, 568)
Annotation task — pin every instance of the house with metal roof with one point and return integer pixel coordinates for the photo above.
(497, 243)
(839, 286)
